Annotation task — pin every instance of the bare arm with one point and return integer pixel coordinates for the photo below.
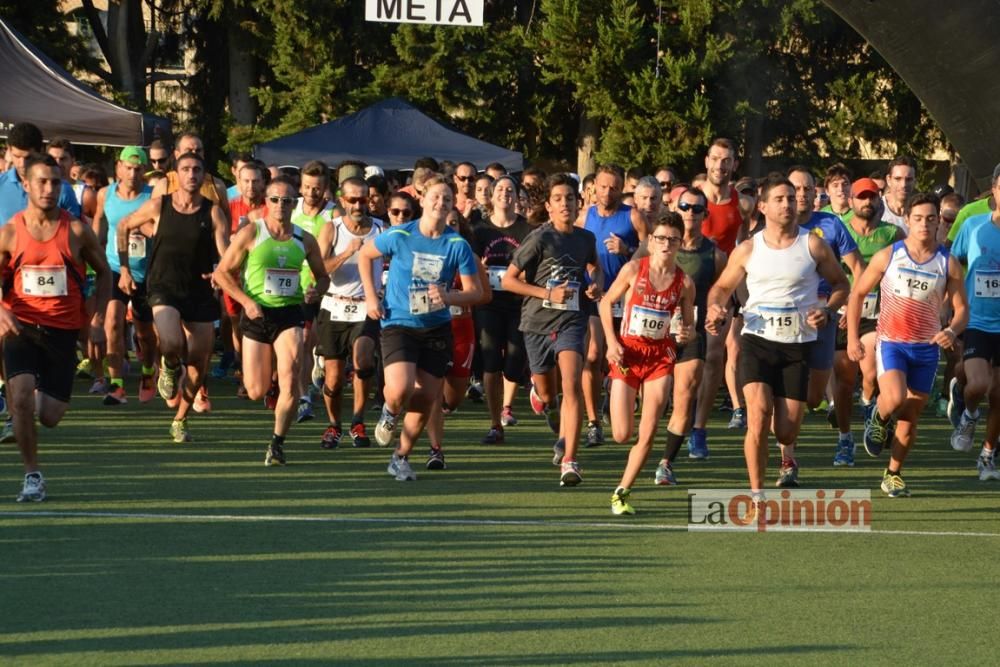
(99, 224)
(863, 286)
(615, 292)
(93, 254)
(220, 229)
(369, 253)
(229, 266)
(955, 290)
(513, 282)
(8, 323)
(315, 260)
(730, 278)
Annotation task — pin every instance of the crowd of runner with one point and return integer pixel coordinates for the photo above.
(602, 297)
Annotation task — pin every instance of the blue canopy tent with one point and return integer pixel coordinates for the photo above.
(391, 134)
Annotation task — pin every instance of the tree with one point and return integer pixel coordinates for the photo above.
(42, 24)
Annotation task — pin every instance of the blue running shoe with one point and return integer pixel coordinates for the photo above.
(956, 402)
(878, 434)
(845, 452)
(698, 444)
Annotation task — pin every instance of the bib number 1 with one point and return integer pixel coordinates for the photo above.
(987, 284)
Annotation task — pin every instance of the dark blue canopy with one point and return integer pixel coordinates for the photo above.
(391, 134)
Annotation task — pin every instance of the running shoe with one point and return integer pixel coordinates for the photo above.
(507, 417)
(271, 397)
(595, 434)
(147, 388)
(305, 412)
(385, 429)
(878, 434)
(400, 469)
(4, 414)
(219, 372)
(726, 404)
(987, 467)
(85, 369)
(961, 438)
(100, 386)
(831, 418)
(558, 451)
(894, 486)
(619, 502)
(494, 436)
(7, 432)
(318, 375)
(739, 419)
(275, 455)
(33, 489)
(941, 406)
(956, 402)
(570, 474)
(537, 405)
(179, 431)
(435, 459)
(788, 475)
(698, 444)
(845, 452)
(201, 403)
(359, 438)
(552, 418)
(115, 396)
(475, 392)
(868, 410)
(664, 475)
(167, 383)
(331, 437)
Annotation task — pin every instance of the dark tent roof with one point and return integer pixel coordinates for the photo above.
(391, 134)
(37, 90)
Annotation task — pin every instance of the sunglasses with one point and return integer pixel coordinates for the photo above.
(672, 240)
(697, 209)
(284, 201)
(666, 184)
(400, 211)
(158, 160)
(464, 179)
(356, 200)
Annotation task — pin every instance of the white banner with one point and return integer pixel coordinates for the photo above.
(432, 12)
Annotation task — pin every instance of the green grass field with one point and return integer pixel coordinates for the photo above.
(153, 553)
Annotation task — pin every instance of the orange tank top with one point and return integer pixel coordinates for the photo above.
(649, 311)
(48, 281)
(722, 223)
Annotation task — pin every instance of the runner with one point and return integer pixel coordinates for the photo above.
(871, 235)
(916, 278)
(782, 265)
(46, 248)
(212, 188)
(343, 329)
(978, 248)
(838, 187)
(703, 262)
(549, 269)
(270, 252)
(900, 178)
(495, 239)
(23, 140)
(114, 203)
(618, 236)
(189, 234)
(655, 290)
(416, 324)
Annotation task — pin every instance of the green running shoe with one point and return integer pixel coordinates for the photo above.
(619, 502)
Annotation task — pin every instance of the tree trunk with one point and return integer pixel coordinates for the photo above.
(586, 145)
(753, 146)
(242, 70)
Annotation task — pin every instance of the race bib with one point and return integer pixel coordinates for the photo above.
(987, 284)
(456, 311)
(344, 310)
(869, 307)
(427, 267)
(420, 301)
(43, 281)
(573, 296)
(914, 284)
(281, 282)
(496, 274)
(781, 323)
(649, 323)
(136, 246)
(617, 310)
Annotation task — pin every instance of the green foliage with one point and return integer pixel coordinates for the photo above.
(43, 24)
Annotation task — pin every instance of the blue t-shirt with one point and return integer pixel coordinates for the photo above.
(14, 198)
(116, 208)
(619, 224)
(978, 247)
(415, 261)
(828, 227)
(233, 193)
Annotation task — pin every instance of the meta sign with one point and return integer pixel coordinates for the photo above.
(431, 12)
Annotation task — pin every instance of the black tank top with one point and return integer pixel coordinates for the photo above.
(699, 265)
(183, 251)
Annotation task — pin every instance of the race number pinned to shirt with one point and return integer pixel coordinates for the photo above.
(869, 307)
(914, 284)
(281, 282)
(420, 301)
(427, 267)
(344, 310)
(572, 301)
(649, 323)
(43, 281)
(496, 274)
(136, 246)
(987, 284)
(782, 324)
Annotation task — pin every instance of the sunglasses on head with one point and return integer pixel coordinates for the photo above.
(284, 201)
(697, 209)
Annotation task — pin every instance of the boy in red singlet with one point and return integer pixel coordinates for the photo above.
(659, 310)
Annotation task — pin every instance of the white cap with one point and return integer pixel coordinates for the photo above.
(373, 170)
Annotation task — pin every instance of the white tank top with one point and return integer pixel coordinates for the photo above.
(345, 282)
(782, 286)
(912, 296)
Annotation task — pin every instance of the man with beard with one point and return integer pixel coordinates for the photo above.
(465, 188)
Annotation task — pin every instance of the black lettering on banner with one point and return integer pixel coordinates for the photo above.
(389, 7)
(411, 8)
(465, 12)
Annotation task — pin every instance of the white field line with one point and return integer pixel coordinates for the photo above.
(419, 521)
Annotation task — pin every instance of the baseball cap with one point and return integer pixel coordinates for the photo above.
(133, 154)
(863, 185)
(350, 171)
(677, 191)
(942, 190)
(373, 170)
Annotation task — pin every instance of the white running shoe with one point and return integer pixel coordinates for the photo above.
(400, 468)
(987, 467)
(33, 489)
(961, 437)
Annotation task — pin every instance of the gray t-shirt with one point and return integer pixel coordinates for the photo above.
(549, 258)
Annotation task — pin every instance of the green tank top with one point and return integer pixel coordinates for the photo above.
(884, 234)
(699, 265)
(312, 224)
(272, 268)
